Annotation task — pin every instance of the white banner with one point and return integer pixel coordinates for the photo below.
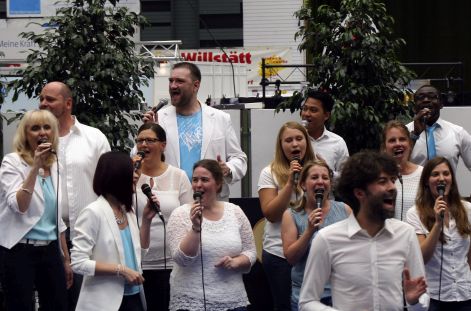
(252, 57)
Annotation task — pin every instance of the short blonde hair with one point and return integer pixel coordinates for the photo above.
(20, 140)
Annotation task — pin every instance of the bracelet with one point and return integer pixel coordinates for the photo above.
(118, 270)
(27, 191)
(196, 229)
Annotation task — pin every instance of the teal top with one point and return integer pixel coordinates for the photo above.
(45, 228)
(129, 259)
(336, 213)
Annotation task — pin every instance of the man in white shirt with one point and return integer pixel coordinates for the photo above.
(80, 146)
(365, 255)
(450, 140)
(196, 131)
(315, 112)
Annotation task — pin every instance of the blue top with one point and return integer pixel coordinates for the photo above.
(336, 213)
(190, 137)
(129, 259)
(45, 228)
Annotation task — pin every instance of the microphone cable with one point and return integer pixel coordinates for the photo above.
(61, 251)
(201, 258)
(441, 260)
(426, 141)
(399, 176)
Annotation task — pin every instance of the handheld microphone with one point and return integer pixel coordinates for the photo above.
(319, 195)
(304, 123)
(137, 164)
(43, 140)
(296, 174)
(160, 105)
(441, 192)
(148, 192)
(197, 196)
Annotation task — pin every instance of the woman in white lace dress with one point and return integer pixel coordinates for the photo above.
(225, 236)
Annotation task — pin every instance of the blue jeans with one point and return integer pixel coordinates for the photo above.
(278, 272)
(27, 267)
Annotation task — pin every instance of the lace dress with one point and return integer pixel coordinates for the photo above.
(231, 235)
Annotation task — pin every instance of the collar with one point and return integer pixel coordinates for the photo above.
(353, 227)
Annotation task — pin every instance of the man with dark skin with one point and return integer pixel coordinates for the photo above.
(450, 140)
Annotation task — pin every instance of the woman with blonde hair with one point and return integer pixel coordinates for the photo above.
(32, 241)
(442, 223)
(301, 223)
(277, 187)
(397, 143)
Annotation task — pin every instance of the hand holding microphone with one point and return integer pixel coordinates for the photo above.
(153, 204)
(296, 167)
(440, 203)
(137, 163)
(196, 212)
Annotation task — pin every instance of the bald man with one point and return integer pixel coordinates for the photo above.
(80, 146)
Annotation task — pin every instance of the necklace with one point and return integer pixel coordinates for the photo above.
(119, 220)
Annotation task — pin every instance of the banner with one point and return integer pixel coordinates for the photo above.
(252, 57)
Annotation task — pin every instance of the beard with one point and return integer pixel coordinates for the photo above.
(376, 209)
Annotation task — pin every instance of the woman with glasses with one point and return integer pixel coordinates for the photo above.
(172, 188)
(30, 219)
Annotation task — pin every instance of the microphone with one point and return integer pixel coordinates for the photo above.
(319, 195)
(43, 140)
(441, 192)
(160, 105)
(304, 123)
(137, 164)
(296, 174)
(197, 196)
(148, 192)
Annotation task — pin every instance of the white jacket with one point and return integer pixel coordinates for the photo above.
(219, 138)
(98, 239)
(13, 223)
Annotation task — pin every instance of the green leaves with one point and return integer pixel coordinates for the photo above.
(91, 50)
(355, 58)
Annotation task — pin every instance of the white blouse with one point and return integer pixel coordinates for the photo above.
(229, 236)
(456, 273)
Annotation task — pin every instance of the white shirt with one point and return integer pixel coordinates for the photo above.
(456, 274)
(84, 147)
(332, 148)
(410, 186)
(365, 272)
(451, 142)
(173, 189)
(272, 232)
(229, 236)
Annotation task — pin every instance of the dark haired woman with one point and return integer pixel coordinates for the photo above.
(441, 222)
(107, 245)
(172, 188)
(300, 225)
(227, 243)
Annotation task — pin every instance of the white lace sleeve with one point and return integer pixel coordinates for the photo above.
(178, 226)
(246, 235)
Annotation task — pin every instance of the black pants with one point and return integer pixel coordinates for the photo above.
(278, 273)
(131, 303)
(27, 267)
(436, 305)
(157, 289)
(74, 291)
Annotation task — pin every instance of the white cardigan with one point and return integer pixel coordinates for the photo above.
(13, 223)
(219, 138)
(98, 239)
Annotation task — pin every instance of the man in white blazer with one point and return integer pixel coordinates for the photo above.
(196, 131)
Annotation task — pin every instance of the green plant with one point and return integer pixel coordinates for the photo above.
(89, 47)
(355, 57)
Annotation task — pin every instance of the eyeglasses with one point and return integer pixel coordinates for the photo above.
(423, 96)
(148, 141)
